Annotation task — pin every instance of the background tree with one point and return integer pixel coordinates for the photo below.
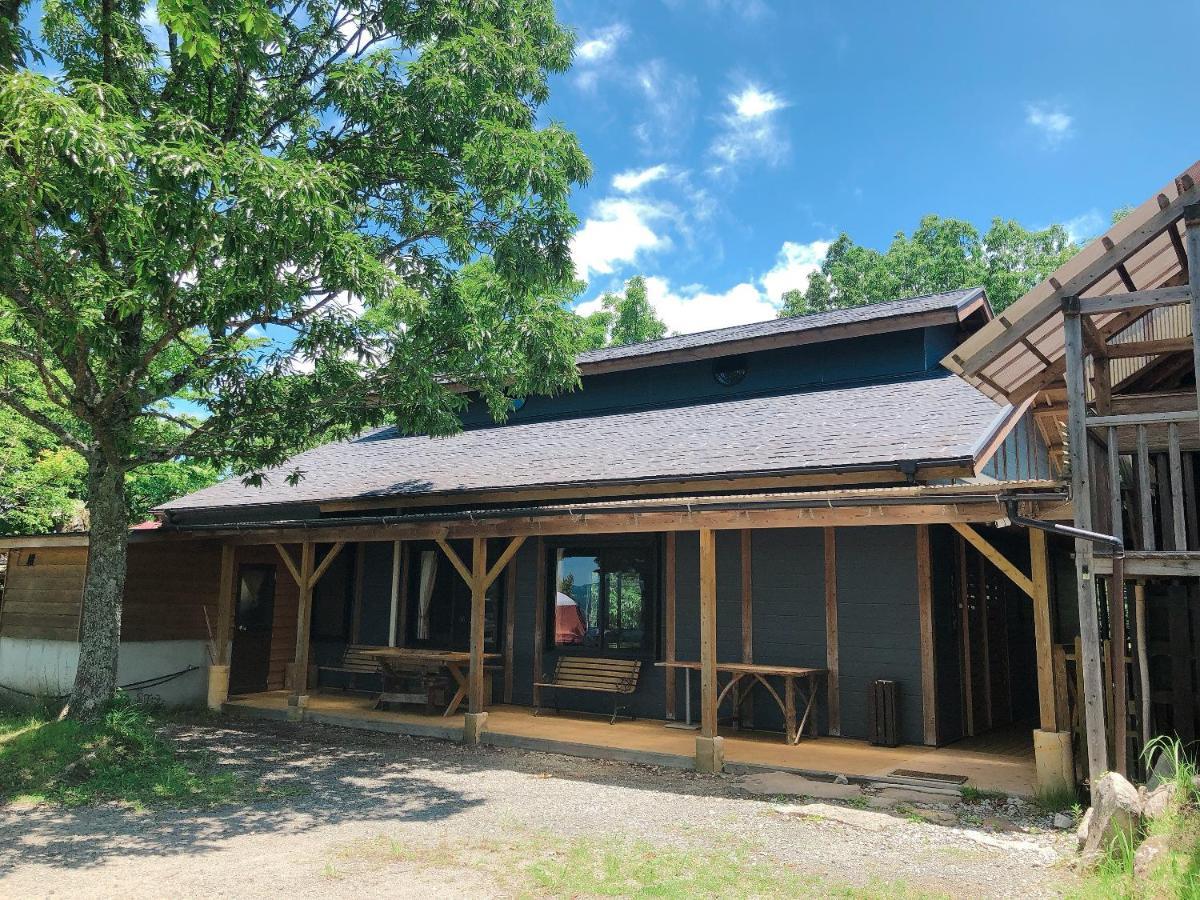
(626, 318)
(941, 255)
(288, 220)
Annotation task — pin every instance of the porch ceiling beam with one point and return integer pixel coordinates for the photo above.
(1149, 348)
(455, 561)
(509, 552)
(996, 558)
(1134, 300)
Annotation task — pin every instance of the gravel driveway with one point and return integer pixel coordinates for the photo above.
(377, 815)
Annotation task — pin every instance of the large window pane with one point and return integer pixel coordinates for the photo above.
(604, 597)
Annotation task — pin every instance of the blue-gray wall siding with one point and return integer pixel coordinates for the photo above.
(878, 619)
(809, 366)
(1022, 455)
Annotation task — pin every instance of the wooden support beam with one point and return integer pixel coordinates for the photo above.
(964, 604)
(1116, 507)
(708, 633)
(303, 619)
(356, 613)
(510, 629)
(540, 600)
(1043, 630)
(1179, 515)
(669, 620)
(925, 614)
(996, 558)
(459, 565)
(286, 555)
(1145, 497)
(1117, 655)
(746, 714)
(397, 617)
(834, 700)
(1093, 340)
(1134, 301)
(1149, 418)
(327, 561)
(1081, 493)
(1191, 221)
(509, 552)
(1134, 349)
(478, 582)
(225, 602)
(1143, 657)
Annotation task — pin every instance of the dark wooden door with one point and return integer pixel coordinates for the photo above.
(254, 617)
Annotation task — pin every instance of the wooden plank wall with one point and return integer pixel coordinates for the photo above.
(43, 592)
(171, 591)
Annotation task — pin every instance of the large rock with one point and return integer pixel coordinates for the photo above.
(1116, 810)
(1153, 851)
(1156, 803)
(783, 784)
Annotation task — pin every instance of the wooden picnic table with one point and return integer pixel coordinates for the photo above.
(400, 662)
(797, 680)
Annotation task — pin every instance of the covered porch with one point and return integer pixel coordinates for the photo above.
(1002, 760)
(855, 585)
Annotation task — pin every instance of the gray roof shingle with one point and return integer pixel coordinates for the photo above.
(946, 301)
(921, 419)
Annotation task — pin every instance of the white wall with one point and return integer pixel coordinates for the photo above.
(47, 668)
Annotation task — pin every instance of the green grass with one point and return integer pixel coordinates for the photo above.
(540, 864)
(975, 795)
(1178, 874)
(1055, 800)
(120, 757)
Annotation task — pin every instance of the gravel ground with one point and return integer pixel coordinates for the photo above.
(386, 815)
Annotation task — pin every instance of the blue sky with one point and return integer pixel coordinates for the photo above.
(732, 139)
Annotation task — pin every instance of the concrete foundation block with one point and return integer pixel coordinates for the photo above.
(218, 686)
(710, 755)
(474, 724)
(296, 707)
(1053, 760)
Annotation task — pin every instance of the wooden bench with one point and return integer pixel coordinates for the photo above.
(355, 660)
(618, 677)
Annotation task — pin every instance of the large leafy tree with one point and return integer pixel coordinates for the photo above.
(940, 255)
(626, 318)
(278, 221)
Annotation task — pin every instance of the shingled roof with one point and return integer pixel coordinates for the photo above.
(929, 420)
(949, 306)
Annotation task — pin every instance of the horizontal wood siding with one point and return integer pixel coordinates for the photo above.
(171, 591)
(43, 592)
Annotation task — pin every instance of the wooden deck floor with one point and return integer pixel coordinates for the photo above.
(1000, 761)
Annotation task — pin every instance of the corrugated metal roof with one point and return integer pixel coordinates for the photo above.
(938, 418)
(1021, 351)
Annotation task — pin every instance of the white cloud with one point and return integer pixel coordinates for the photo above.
(634, 179)
(669, 98)
(601, 44)
(618, 231)
(1086, 226)
(793, 267)
(1053, 123)
(750, 129)
(692, 308)
(753, 103)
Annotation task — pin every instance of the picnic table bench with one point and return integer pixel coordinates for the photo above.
(399, 664)
(355, 660)
(797, 680)
(618, 677)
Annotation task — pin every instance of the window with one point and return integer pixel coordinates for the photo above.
(605, 596)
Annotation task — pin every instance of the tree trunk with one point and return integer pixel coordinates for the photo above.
(103, 590)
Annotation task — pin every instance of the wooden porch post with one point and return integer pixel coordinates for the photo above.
(746, 714)
(539, 620)
(831, 633)
(299, 696)
(478, 590)
(218, 670)
(1053, 756)
(1191, 221)
(1081, 495)
(669, 621)
(709, 752)
(925, 613)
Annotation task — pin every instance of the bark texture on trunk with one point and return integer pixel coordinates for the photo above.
(103, 590)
